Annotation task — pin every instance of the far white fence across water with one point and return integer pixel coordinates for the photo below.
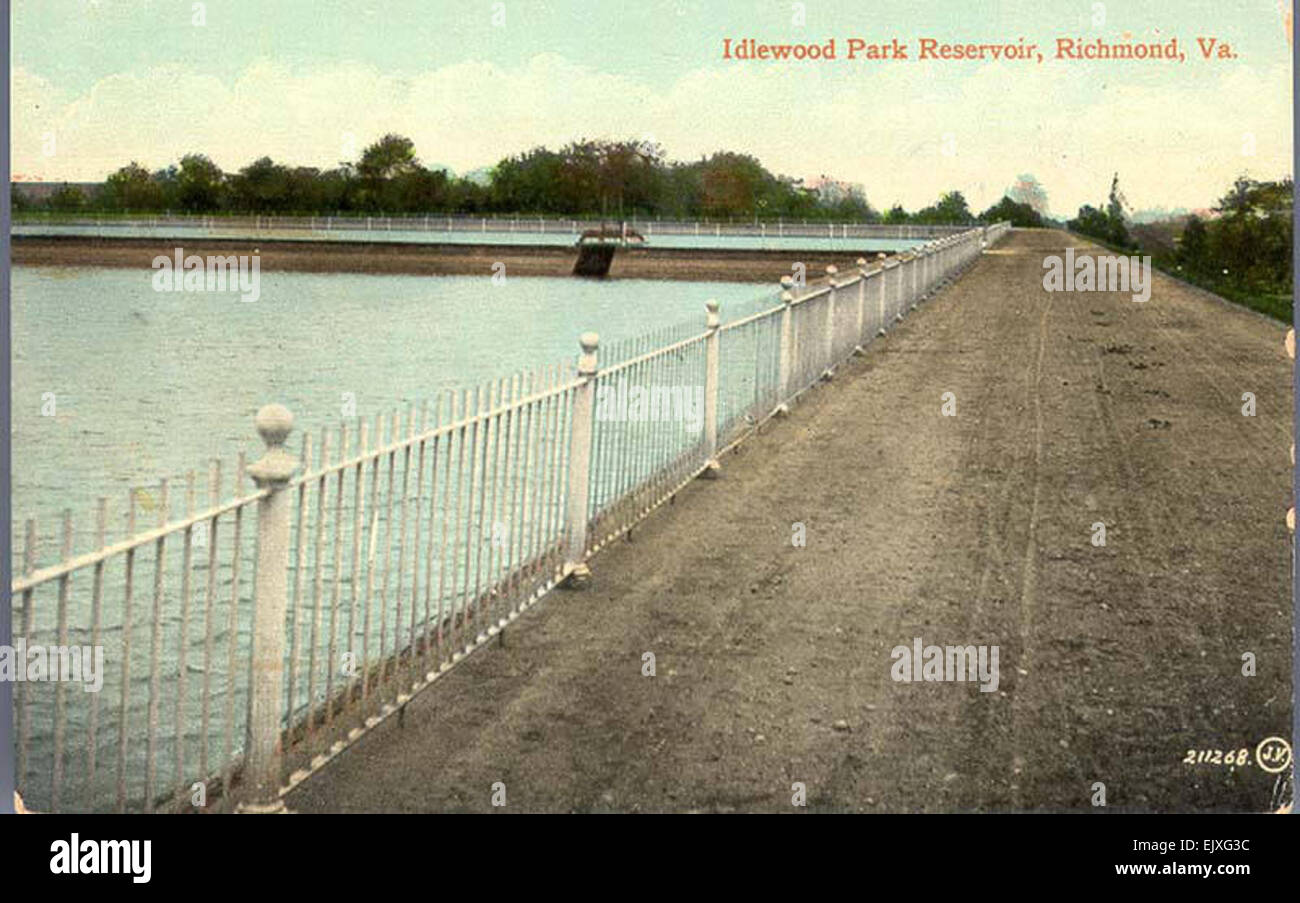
(250, 638)
(461, 224)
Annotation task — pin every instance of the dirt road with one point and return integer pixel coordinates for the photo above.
(773, 661)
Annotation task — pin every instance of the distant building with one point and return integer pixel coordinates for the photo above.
(832, 191)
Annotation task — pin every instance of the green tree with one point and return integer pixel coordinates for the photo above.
(896, 215)
(200, 184)
(1117, 230)
(390, 157)
(1091, 222)
(132, 188)
(950, 209)
(261, 187)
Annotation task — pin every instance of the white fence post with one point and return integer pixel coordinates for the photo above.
(828, 347)
(576, 573)
(787, 344)
(881, 258)
(263, 749)
(862, 306)
(918, 262)
(899, 260)
(712, 322)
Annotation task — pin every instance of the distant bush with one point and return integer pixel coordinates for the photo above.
(1107, 226)
(1020, 215)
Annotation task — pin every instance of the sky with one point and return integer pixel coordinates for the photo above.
(98, 83)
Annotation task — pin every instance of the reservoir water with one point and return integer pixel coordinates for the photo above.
(116, 385)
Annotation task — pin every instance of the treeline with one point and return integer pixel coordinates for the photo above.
(1248, 244)
(617, 179)
(1241, 251)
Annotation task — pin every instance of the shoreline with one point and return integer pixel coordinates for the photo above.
(432, 259)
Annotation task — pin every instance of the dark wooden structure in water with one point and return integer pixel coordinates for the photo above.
(594, 260)
(596, 249)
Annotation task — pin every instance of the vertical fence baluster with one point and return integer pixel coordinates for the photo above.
(518, 535)
(394, 430)
(454, 607)
(488, 442)
(214, 498)
(232, 630)
(412, 677)
(450, 491)
(299, 568)
(465, 597)
(537, 454)
(371, 545)
(317, 583)
(336, 576)
(550, 455)
(500, 511)
(182, 654)
(60, 679)
(511, 495)
(24, 717)
(358, 523)
(402, 504)
(561, 425)
(96, 616)
(428, 552)
(155, 653)
(127, 628)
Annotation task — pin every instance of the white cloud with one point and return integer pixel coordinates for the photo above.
(1175, 142)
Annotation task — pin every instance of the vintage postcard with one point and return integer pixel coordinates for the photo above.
(666, 407)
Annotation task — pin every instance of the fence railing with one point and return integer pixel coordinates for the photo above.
(490, 224)
(256, 637)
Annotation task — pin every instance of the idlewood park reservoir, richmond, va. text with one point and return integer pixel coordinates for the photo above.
(927, 49)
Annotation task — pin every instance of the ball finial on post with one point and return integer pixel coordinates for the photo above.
(589, 342)
(274, 422)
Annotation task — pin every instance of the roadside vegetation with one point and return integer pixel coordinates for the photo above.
(1240, 249)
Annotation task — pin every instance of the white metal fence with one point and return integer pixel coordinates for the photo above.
(249, 639)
